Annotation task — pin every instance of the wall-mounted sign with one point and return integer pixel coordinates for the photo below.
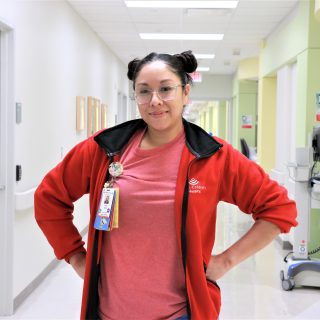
(196, 76)
(246, 121)
(318, 106)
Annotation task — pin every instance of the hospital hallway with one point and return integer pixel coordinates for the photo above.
(250, 291)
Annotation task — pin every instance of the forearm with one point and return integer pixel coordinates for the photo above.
(259, 236)
(78, 262)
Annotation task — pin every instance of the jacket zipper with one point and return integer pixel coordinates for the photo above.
(107, 175)
(184, 234)
(91, 311)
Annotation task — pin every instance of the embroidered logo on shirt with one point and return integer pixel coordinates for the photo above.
(195, 186)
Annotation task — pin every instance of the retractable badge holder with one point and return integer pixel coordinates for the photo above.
(115, 170)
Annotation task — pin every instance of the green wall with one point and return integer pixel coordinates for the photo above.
(245, 103)
(296, 40)
(308, 84)
(287, 42)
(222, 120)
(314, 241)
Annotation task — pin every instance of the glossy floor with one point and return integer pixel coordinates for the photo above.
(250, 291)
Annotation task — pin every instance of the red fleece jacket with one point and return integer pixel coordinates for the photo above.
(226, 176)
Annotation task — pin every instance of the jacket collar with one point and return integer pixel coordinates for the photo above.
(199, 143)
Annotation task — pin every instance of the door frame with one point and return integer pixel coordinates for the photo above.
(122, 108)
(7, 172)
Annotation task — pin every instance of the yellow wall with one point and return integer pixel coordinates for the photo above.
(248, 69)
(213, 118)
(266, 122)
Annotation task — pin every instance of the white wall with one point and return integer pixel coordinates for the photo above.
(285, 126)
(57, 57)
(285, 130)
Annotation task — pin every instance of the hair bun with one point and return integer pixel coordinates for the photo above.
(188, 60)
(132, 65)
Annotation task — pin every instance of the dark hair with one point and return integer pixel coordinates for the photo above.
(181, 64)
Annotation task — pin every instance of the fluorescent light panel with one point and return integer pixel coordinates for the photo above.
(181, 36)
(204, 56)
(203, 69)
(183, 4)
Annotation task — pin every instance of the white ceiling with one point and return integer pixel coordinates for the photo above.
(243, 28)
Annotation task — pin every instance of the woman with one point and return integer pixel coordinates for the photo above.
(171, 175)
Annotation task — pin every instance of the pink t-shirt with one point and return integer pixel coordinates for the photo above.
(142, 276)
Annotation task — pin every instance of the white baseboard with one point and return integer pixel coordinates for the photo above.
(25, 293)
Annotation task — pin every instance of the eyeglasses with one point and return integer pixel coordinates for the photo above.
(165, 93)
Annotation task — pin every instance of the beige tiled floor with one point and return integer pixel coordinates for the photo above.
(253, 289)
(250, 291)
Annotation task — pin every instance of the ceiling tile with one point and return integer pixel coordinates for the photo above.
(244, 27)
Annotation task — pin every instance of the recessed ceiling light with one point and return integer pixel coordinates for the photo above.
(204, 56)
(227, 4)
(203, 69)
(181, 36)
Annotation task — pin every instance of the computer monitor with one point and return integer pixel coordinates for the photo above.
(316, 143)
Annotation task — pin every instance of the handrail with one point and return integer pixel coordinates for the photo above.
(24, 199)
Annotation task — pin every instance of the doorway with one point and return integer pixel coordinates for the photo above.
(7, 175)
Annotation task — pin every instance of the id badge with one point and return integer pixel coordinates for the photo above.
(107, 216)
(105, 209)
